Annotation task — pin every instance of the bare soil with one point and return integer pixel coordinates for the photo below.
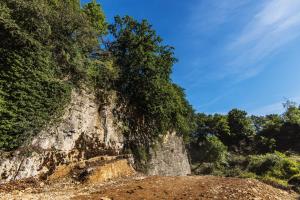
(148, 188)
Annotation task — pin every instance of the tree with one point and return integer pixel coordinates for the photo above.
(213, 150)
(96, 17)
(258, 122)
(292, 112)
(155, 105)
(216, 125)
(241, 128)
(284, 129)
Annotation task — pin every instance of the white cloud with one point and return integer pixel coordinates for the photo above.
(276, 107)
(272, 27)
(243, 37)
(266, 26)
(207, 15)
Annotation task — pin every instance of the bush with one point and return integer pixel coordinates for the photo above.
(295, 180)
(275, 165)
(204, 168)
(237, 160)
(209, 169)
(212, 156)
(247, 175)
(261, 164)
(213, 150)
(233, 172)
(276, 182)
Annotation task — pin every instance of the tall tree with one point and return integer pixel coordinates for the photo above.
(96, 17)
(155, 104)
(241, 128)
(292, 112)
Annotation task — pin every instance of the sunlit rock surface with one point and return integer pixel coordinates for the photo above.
(87, 130)
(169, 158)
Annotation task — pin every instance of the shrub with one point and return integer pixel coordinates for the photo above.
(247, 175)
(275, 181)
(204, 168)
(261, 164)
(275, 165)
(233, 172)
(295, 180)
(213, 150)
(237, 160)
(212, 156)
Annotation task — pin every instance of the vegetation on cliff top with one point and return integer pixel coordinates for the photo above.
(52, 46)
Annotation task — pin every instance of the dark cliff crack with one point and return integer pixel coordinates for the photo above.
(18, 170)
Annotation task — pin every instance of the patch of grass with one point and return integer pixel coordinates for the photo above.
(278, 183)
(248, 175)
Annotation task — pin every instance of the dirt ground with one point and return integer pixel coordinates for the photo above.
(156, 187)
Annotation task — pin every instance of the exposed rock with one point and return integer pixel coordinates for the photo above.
(86, 130)
(169, 158)
(85, 126)
(94, 170)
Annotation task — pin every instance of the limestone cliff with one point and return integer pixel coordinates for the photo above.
(87, 130)
(169, 158)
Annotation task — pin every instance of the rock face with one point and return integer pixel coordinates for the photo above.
(169, 158)
(87, 130)
(86, 127)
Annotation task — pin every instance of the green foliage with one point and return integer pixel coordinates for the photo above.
(273, 165)
(210, 154)
(155, 105)
(295, 180)
(284, 129)
(51, 46)
(263, 144)
(73, 39)
(208, 169)
(255, 134)
(241, 129)
(263, 164)
(274, 181)
(102, 74)
(273, 168)
(47, 48)
(214, 150)
(96, 17)
(212, 125)
(239, 123)
(235, 130)
(292, 113)
(141, 156)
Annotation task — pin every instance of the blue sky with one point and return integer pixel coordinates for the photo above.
(232, 53)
